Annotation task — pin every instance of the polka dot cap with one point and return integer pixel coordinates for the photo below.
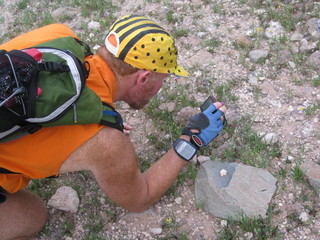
(144, 44)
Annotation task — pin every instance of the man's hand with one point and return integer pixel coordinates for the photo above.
(208, 124)
(126, 128)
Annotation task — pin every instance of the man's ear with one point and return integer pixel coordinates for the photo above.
(143, 77)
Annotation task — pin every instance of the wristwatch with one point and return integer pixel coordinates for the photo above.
(185, 149)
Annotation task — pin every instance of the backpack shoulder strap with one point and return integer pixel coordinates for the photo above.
(88, 51)
(111, 118)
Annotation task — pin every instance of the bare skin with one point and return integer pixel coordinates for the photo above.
(22, 216)
(111, 157)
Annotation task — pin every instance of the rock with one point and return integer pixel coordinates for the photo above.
(185, 113)
(76, 24)
(201, 58)
(244, 189)
(202, 159)
(65, 199)
(170, 106)
(312, 172)
(156, 231)
(218, 152)
(256, 55)
(307, 47)
(313, 27)
(65, 11)
(296, 37)
(275, 31)
(94, 25)
(253, 78)
(304, 217)
(284, 56)
(243, 42)
(271, 138)
(314, 60)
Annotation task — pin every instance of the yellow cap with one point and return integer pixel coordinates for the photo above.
(144, 44)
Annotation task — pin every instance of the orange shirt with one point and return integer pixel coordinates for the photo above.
(41, 154)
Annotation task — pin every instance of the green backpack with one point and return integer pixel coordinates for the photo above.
(45, 86)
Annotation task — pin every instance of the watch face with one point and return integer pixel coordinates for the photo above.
(185, 149)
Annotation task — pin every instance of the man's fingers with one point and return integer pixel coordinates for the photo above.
(126, 128)
(223, 109)
(221, 106)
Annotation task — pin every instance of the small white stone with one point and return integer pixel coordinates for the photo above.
(290, 108)
(290, 196)
(290, 158)
(156, 231)
(304, 217)
(178, 200)
(224, 223)
(223, 173)
(292, 64)
(270, 138)
(248, 235)
(96, 47)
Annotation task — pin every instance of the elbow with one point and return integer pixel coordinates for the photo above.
(137, 207)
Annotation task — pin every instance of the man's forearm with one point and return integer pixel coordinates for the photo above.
(162, 175)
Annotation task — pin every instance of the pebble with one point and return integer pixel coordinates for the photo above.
(178, 200)
(224, 223)
(156, 231)
(304, 217)
(248, 235)
(271, 138)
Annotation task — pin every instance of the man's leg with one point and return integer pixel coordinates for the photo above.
(22, 216)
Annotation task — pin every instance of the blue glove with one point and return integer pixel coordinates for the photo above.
(209, 125)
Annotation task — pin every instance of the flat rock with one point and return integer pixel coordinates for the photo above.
(245, 189)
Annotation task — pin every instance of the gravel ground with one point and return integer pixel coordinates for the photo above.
(282, 93)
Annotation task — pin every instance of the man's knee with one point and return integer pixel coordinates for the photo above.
(23, 214)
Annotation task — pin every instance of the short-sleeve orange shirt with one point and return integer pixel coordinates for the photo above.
(41, 154)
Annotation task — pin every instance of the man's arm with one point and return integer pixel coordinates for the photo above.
(111, 157)
(120, 178)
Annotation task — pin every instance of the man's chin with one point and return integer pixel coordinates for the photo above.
(137, 106)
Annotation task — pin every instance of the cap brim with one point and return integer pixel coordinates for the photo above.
(179, 71)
